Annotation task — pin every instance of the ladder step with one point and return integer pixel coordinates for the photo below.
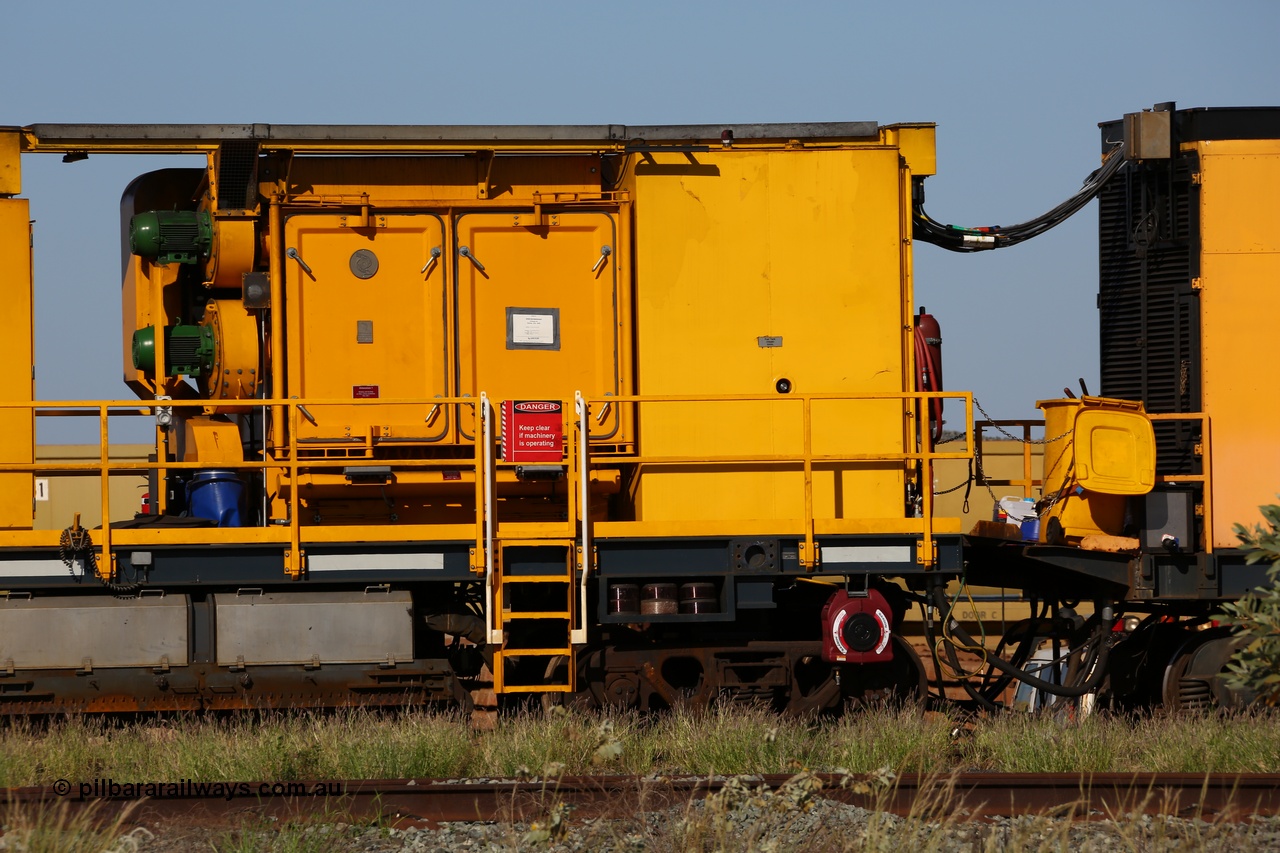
(536, 579)
(540, 653)
(536, 688)
(534, 614)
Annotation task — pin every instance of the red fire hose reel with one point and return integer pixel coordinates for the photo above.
(857, 628)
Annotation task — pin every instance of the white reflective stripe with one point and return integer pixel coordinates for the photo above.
(837, 632)
(373, 562)
(39, 569)
(866, 554)
(884, 631)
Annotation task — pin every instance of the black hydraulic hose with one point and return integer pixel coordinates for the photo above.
(1022, 650)
(1097, 660)
(958, 239)
(974, 693)
(983, 702)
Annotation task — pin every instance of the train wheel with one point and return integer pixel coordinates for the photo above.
(1193, 679)
(557, 673)
(1139, 664)
(901, 681)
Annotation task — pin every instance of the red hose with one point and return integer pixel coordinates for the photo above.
(929, 369)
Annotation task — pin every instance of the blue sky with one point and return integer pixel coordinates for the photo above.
(1017, 90)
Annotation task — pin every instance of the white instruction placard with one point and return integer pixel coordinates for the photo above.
(535, 329)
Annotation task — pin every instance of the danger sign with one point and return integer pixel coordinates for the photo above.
(532, 431)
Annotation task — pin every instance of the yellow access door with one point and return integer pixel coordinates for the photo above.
(539, 308)
(367, 320)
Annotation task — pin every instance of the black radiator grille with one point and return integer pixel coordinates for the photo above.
(180, 351)
(1148, 310)
(180, 237)
(237, 179)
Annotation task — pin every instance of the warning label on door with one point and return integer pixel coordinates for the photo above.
(532, 431)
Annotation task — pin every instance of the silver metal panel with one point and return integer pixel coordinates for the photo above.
(54, 135)
(308, 627)
(374, 562)
(1147, 137)
(1168, 514)
(785, 130)
(867, 554)
(64, 632)
(39, 568)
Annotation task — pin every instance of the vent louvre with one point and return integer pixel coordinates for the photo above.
(1149, 316)
(237, 175)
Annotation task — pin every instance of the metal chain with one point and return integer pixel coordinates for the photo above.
(955, 488)
(982, 478)
(1013, 437)
(977, 458)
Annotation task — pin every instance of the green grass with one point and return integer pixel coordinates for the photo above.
(728, 741)
(1190, 743)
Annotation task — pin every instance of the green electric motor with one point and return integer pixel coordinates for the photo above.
(171, 236)
(188, 350)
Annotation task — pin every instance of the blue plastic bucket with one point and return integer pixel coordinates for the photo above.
(215, 495)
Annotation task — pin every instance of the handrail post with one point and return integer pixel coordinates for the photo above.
(1206, 492)
(1026, 461)
(496, 634)
(808, 548)
(924, 553)
(106, 566)
(479, 558)
(579, 635)
(294, 559)
(275, 275)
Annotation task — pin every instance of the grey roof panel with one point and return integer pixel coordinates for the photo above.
(63, 134)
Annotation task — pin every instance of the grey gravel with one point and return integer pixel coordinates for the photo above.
(760, 824)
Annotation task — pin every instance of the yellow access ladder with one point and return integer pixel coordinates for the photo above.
(536, 581)
(534, 611)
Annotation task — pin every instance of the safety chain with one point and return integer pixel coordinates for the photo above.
(1013, 437)
(954, 488)
(986, 484)
(977, 457)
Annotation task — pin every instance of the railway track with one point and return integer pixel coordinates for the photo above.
(1225, 796)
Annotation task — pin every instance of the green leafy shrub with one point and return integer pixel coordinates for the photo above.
(1256, 616)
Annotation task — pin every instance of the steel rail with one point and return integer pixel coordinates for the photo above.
(974, 796)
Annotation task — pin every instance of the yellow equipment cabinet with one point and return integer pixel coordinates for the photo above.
(1190, 253)
(17, 379)
(772, 272)
(542, 309)
(1239, 269)
(367, 320)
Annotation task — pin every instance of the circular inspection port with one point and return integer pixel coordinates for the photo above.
(783, 385)
(862, 633)
(755, 558)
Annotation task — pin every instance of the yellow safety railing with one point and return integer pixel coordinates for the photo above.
(1029, 481)
(287, 460)
(287, 530)
(1203, 449)
(925, 455)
